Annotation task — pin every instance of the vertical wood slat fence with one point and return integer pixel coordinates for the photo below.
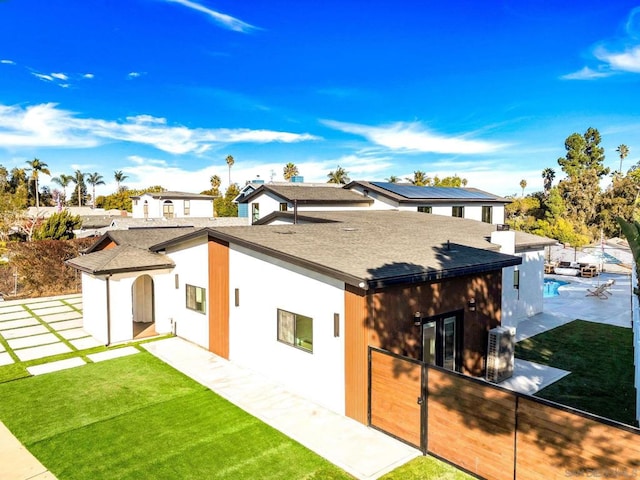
(492, 432)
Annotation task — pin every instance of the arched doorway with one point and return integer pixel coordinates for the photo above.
(142, 306)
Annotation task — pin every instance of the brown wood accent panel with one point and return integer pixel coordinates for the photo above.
(554, 443)
(355, 352)
(392, 311)
(471, 425)
(218, 301)
(396, 385)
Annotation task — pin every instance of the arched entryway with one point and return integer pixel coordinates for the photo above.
(142, 305)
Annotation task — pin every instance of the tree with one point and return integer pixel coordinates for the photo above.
(454, 181)
(224, 206)
(392, 179)
(58, 226)
(583, 153)
(64, 181)
(37, 167)
(619, 200)
(94, 179)
(81, 189)
(290, 170)
(623, 151)
(339, 176)
(548, 174)
(230, 162)
(523, 185)
(419, 179)
(119, 177)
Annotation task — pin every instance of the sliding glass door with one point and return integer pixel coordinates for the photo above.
(442, 341)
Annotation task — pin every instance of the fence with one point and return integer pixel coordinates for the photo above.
(635, 317)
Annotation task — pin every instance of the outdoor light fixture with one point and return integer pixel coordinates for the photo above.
(472, 305)
(417, 319)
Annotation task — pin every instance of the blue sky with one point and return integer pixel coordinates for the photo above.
(164, 90)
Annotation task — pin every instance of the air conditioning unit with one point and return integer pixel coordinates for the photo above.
(500, 354)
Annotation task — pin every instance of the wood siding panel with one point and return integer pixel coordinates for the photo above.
(554, 443)
(218, 298)
(356, 351)
(471, 425)
(396, 385)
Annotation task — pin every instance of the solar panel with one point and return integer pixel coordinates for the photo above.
(415, 192)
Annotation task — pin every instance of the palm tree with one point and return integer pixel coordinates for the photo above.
(119, 177)
(216, 181)
(64, 181)
(548, 174)
(623, 150)
(290, 170)
(94, 179)
(339, 176)
(523, 185)
(78, 179)
(230, 162)
(419, 179)
(392, 179)
(37, 167)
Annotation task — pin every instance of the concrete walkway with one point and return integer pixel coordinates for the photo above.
(16, 462)
(361, 451)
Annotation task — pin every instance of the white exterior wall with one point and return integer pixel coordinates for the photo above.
(94, 300)
(197, 208)
(192, 267)
(266, 285)
(518, 304)
(471, 211)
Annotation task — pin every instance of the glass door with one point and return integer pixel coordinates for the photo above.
(441, 341)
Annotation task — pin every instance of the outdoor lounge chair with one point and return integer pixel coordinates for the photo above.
(601, 291)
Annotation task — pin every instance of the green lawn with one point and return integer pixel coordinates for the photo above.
(600, 359)
(135, 417)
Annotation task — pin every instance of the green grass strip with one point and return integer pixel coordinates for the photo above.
(600, 359)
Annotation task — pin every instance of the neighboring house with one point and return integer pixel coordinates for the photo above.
(299, 197)
(303, 303)
(249, 188)
(468, 203)
(172, 205)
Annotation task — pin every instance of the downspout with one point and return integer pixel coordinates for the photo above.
(108, 311)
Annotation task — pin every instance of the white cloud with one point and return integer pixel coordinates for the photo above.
(133, 74)
(625, 61)
(413, 137)
(224, 20)
(88, 76)
(60, 76)
(7, 62)
(42, 76)
(586, 74)
(47, 125)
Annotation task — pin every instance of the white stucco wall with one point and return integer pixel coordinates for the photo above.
(94, 301)
(518, 304)
(192, 267)
(197, 207)
(266, 285)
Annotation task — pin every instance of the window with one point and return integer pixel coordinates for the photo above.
(145, 209)
(283, 206)
(255, 212)
(167, 209)
(196, 298)
(487, 214)
(295, 330)
(424, 208)
(187, 207)
(135, 203)
(457, 212)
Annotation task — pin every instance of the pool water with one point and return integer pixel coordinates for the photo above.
(550, 288)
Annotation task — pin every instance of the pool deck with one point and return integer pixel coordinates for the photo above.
(572, 303)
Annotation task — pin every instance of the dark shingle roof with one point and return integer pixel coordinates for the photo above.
(123, 258)
(308, 194)
(140, 237)
(377, 247)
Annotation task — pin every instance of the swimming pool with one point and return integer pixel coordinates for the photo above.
(551, 286)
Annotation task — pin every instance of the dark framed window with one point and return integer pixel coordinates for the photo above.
(457, 211)
(487, 214)
(425, 209)
(295, 330)
(283, 206)
(255, 212)
(196, 298)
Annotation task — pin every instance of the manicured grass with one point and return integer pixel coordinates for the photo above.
(600, 359)
(426, 467)
(135, 417)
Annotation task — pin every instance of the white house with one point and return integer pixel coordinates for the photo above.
(171, 205)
